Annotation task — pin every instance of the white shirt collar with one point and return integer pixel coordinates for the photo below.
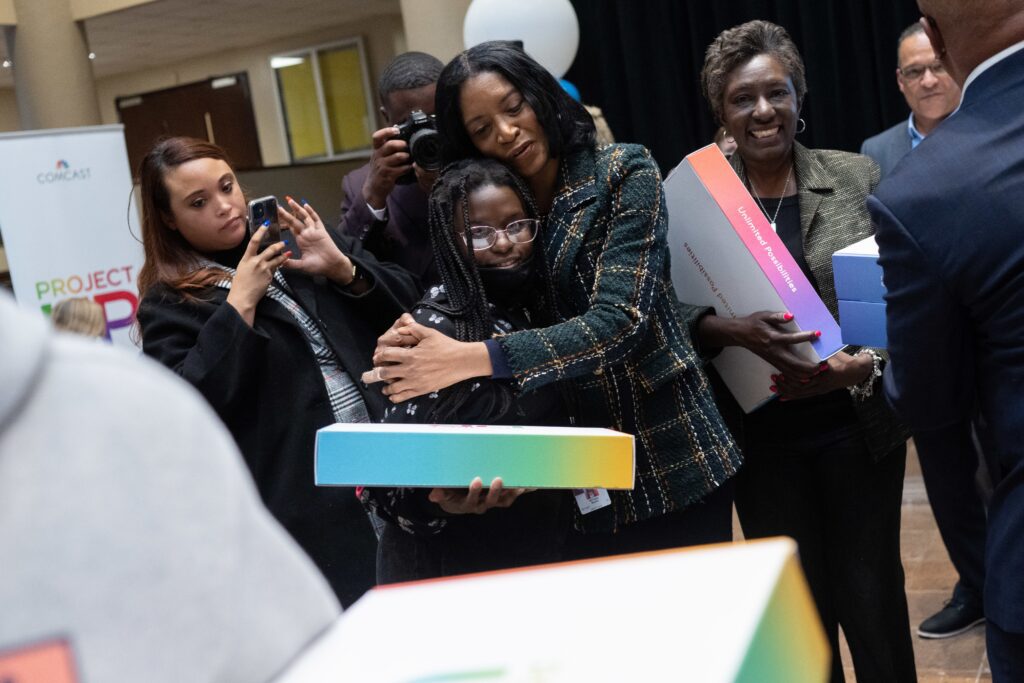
(991, 61)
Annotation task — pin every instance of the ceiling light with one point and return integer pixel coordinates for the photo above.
(7, 64)
(92, 55)
(285, 62)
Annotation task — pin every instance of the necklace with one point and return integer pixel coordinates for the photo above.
(778, 208)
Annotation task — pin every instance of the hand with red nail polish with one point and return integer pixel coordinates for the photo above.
(765, 333)
(840, 371)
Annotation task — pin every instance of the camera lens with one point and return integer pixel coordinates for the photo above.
(425, 148)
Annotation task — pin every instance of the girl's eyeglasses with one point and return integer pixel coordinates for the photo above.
(482, 237)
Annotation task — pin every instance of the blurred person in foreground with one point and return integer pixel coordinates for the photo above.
(952, 483)
(135, 544)
(951, 246)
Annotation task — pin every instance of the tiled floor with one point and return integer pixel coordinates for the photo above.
(930, 579)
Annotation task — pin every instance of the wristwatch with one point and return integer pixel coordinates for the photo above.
(357, 275)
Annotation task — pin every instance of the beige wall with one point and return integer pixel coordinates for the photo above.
(80, 9)
(8, 111)
(435, 26)
(382, 39)
(7, 13)
(83, 9)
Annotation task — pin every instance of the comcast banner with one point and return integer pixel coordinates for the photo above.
(65, 221)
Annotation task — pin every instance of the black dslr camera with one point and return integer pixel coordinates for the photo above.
(420, 132)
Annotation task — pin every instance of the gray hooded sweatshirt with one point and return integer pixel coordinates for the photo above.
(133, 545)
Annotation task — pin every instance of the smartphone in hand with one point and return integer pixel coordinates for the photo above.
(264, 210)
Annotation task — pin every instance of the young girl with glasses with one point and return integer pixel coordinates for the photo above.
(482, 222)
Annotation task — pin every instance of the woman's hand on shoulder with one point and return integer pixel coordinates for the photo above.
(253, 275)
(474, 501)
(764, 333)
(320, 254)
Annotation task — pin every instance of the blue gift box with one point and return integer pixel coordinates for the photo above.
(861, 293)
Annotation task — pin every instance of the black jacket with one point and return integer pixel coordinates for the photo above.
(267, 387)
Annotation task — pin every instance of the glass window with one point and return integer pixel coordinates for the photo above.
(325, 101)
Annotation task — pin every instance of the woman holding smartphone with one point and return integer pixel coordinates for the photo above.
(273, 343)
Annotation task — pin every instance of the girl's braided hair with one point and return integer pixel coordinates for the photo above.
(467, 304)
(467, 301)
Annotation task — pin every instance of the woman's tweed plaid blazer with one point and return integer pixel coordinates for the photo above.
(618, 336)
(833, 188)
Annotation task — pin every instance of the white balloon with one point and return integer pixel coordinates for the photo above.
(548, 28)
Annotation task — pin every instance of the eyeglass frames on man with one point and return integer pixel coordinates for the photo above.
(916, 72)
(482, 237)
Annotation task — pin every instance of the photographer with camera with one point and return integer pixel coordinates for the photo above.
(385, 203)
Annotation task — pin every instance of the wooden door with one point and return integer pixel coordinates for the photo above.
(218, 110)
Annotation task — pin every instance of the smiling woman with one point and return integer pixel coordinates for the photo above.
(824, 462)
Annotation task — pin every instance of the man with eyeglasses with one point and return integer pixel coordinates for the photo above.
(930, 92)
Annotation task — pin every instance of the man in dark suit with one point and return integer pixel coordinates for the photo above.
(930, 92)
(932, 95)
(951, 240)
(385, 202)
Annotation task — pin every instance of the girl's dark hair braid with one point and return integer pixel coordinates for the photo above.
(467, 304)
(467, 301)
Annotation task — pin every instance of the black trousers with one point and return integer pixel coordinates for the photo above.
(949, 478)
(532, 531)
(707, 521)
(1005, 654)
(843, 510)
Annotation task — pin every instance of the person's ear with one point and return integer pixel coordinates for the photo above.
(168, 220)
(899, 81)
(384, 115)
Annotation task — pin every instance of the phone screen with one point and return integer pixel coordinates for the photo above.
(264, 210)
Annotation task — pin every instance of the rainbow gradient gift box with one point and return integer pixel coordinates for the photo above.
(737, 613)
(452, 455)
(726, 255)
